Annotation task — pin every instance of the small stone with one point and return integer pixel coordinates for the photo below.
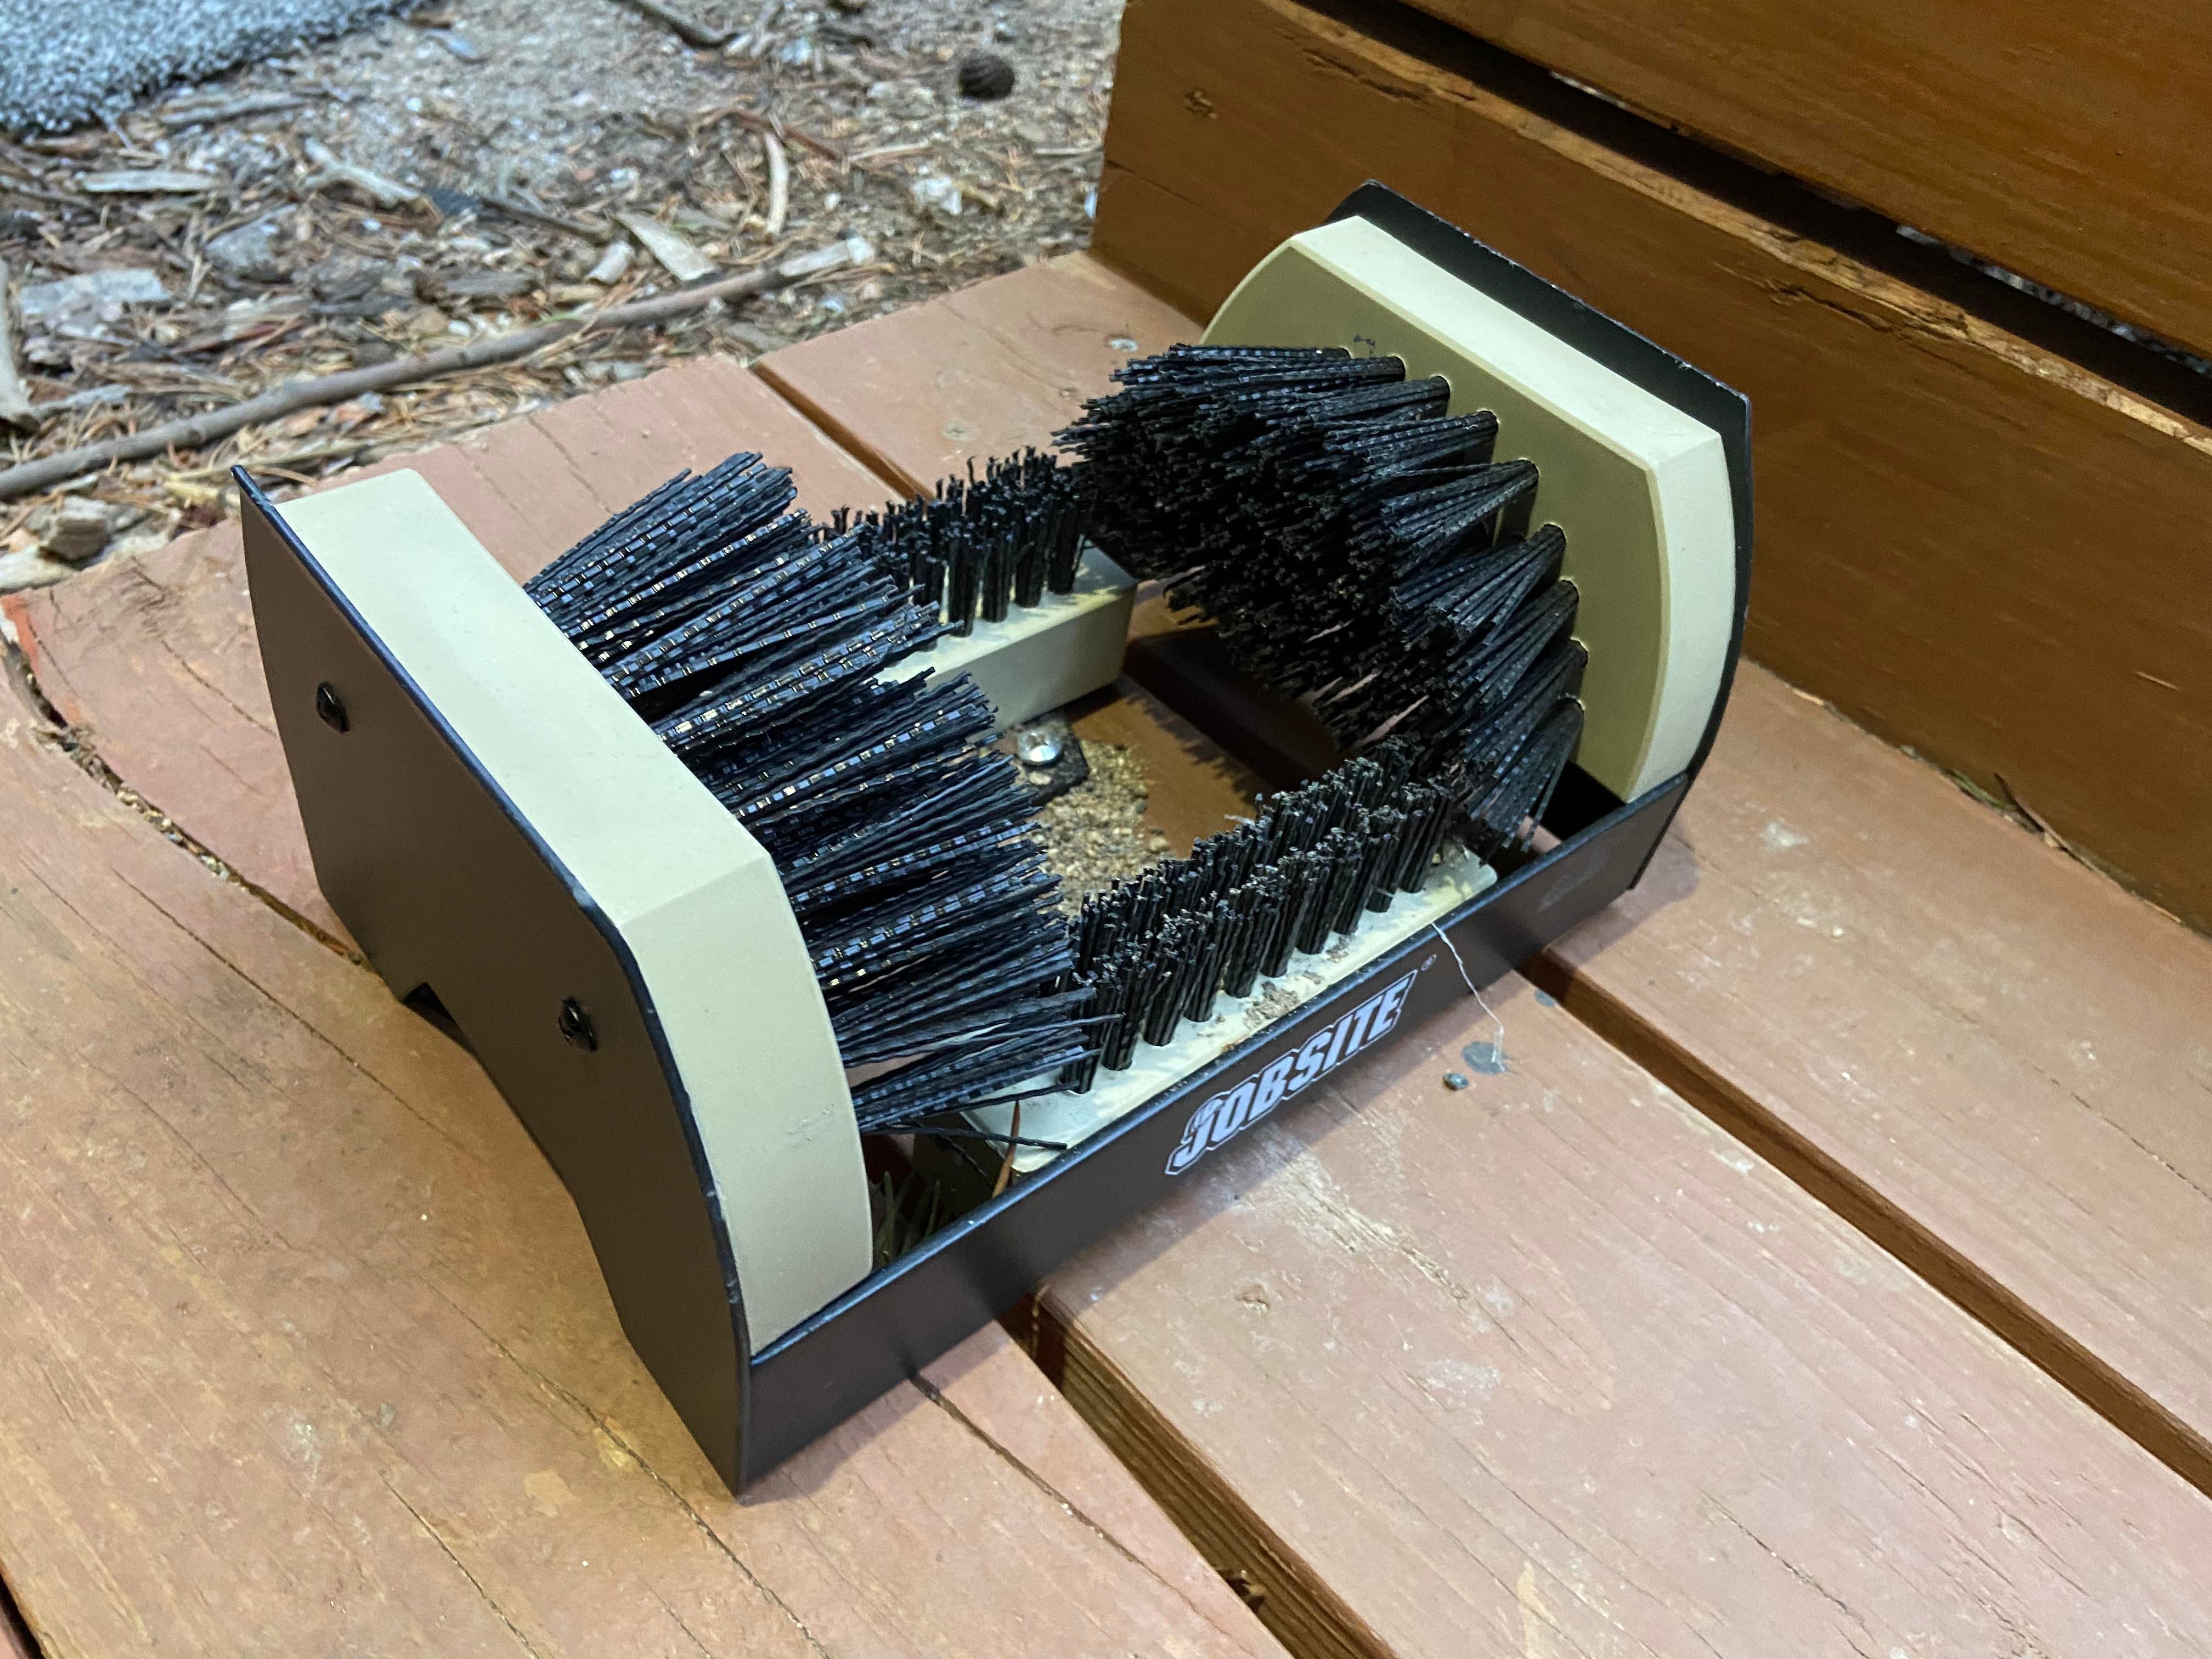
(905, 98)
(612, 263)
(986, 76)
(249, 253)
(934, 193)
(80, 532)
(31, 566)
(1454, 1080)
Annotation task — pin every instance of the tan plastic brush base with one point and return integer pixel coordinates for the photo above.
(1046, 655)
(1641, 489)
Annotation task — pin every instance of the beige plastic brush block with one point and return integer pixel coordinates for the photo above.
(1640, 489)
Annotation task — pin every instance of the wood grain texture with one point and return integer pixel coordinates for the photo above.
(1993, 1059)
(2042, 137)
(152, 657)
(1553, 1366)
(981, 371)
(1939, 550)
(303, 1350)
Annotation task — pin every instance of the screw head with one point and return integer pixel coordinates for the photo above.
(576, 1025)
(331, 707)
(1037, 748)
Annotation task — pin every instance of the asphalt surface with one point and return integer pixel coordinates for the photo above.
(62, 62)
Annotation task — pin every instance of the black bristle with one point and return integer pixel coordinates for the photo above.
(756, 644)
(1357, 546)
(976, 548)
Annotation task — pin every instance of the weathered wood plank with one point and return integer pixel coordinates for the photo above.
(152, 659)
(1992, 1058)
(1938, 552)
(302, 1348)
(1552, 1365)
(966, 367)
(2042, 137)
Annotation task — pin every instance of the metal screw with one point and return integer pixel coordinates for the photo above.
(330, 706)
(576, 1025)
(1037, 748)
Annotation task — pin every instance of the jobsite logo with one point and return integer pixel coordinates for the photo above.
(1234, 1110)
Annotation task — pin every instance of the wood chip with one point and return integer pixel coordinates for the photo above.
(779, 186)
(14, 398)
(614, 263)
(677, 257)
(148, 181)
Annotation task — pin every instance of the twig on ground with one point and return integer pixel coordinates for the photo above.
(538, 216)
(217, 424)
(746, 116)
(697, 32)
(382, 191)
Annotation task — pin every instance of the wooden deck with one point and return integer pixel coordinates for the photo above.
(1817, 1265)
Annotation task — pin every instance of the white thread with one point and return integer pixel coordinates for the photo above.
(1468, 980)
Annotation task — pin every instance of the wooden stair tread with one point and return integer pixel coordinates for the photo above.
(304, 1348)
(1992, 1058)
(1553, 1361)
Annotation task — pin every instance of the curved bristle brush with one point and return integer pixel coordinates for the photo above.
(771, 655)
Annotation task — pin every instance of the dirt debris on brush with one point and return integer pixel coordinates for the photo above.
(1096, 834)
(480, 166)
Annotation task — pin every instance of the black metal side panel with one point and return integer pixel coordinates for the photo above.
(444, 885)
(887, 1328)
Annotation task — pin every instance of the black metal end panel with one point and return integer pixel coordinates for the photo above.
(444, 885)
(887, 1327)
(1619, 348)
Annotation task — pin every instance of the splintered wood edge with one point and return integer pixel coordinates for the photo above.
(1299, 1610)
(1968, 1285)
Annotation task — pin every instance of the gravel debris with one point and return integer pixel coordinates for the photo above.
(1095, 834)
(487, 195)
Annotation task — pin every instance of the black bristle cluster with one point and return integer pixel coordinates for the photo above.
(1162, 948)
(1357, 546)
(755, 645)
(979, 547)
